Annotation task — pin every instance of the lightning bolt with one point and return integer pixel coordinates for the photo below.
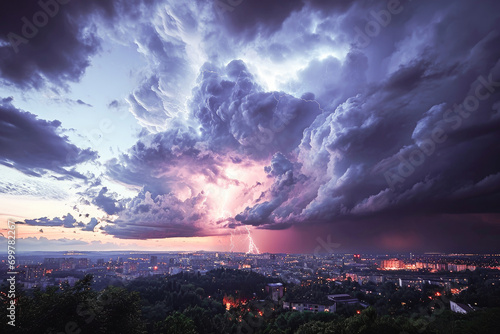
(232, 242)
(252, 248)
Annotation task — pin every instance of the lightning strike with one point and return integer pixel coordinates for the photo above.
(252, 248)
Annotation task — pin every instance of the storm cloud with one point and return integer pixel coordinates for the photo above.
(339, 144)
(35, 146)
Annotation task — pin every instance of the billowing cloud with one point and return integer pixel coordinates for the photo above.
(235, 113)
(35, 146)
(335, 145)
(162, 217)
(398, 146)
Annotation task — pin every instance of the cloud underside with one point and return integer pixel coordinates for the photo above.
(399, 123)
(36, 147)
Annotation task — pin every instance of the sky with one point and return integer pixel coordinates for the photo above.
(252, 126)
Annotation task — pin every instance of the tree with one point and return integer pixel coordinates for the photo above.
(177, 323)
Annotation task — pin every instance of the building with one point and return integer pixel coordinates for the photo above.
(34, 272)
(461, 308)
(83, 263)
(275, 291)
(304, 306)
(53, 263)
(154, 261)
(69, 264)
(376, 279)
(343, 299)
(392, 264)
(411, 282)
(441, 283)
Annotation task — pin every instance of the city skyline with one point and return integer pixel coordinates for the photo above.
(263, 127)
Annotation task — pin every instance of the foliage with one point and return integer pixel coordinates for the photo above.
(193, 304)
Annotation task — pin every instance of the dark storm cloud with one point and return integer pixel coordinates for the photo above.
(236, 117)
(352, 120)
(108, 203)
(149, 162)
(282, 170)
(46, 41)
(398, 95)
(51, 42)
(235, 112)
(159, 164)
(35, 146)
(67, 221)
(164, 216)
(246, 18)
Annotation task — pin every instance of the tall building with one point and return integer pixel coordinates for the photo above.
(154, 260)
(34, 272)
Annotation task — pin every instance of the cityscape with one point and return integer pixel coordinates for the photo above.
(40, 270)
